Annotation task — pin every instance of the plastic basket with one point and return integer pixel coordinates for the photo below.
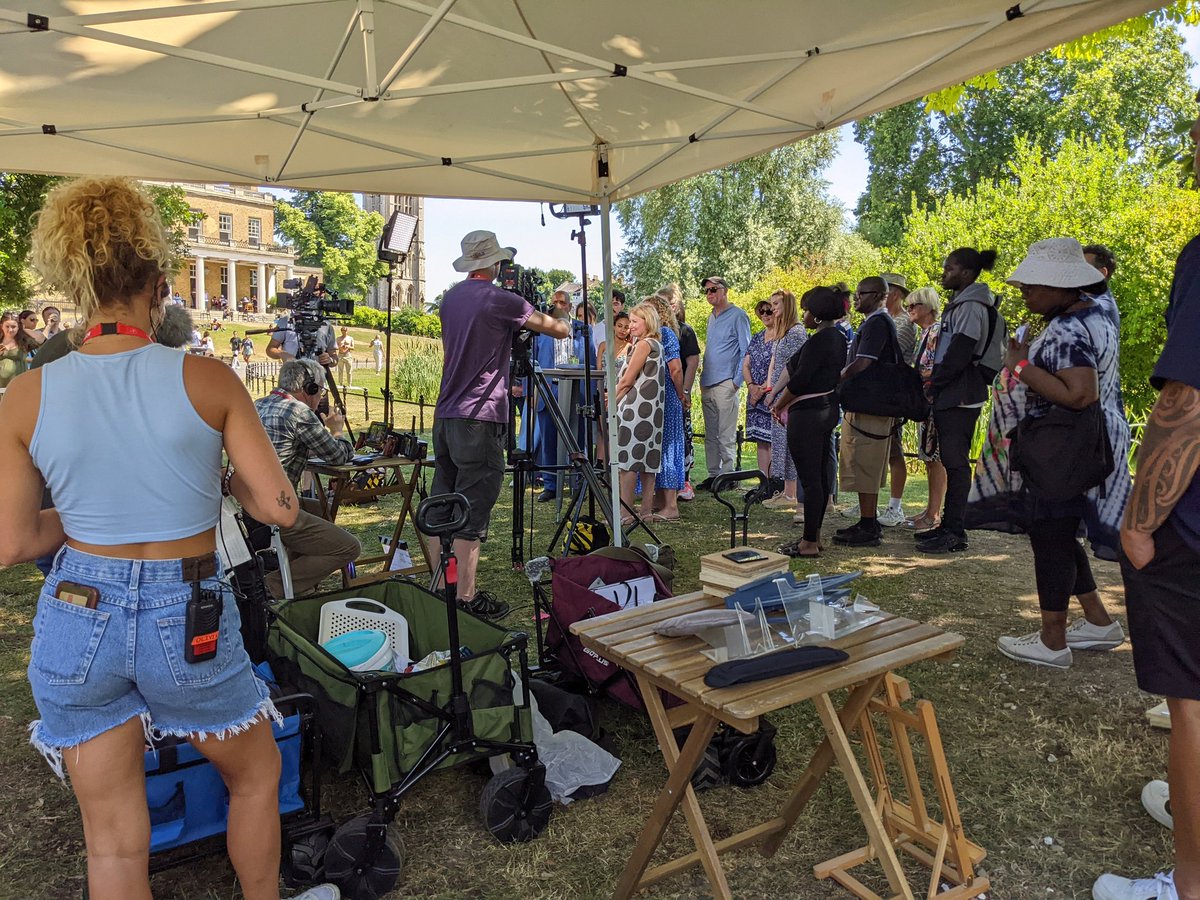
(341, 616)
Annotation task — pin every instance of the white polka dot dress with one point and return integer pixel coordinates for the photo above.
(640, 432)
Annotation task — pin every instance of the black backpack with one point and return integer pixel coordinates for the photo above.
(892, 389)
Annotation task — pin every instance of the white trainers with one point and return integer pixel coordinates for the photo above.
(1083, 635)
(1114, 887)
(1029, 648)
(851, 512)
(798, 518)
(891, 517)
(321, 892)
(1156, 797)
(780, 501)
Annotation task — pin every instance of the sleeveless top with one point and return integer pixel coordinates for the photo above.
(125, 454)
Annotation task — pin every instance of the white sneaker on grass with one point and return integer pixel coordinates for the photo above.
(1083, 635)
(1114, 887)
(891, 517)
(780, 501)
(1156, 797)
(321, 892)
(851, 512)
(1029, 648)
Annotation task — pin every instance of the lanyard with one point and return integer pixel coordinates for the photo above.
(107, 328)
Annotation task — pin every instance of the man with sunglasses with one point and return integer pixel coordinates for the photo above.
(721, 377)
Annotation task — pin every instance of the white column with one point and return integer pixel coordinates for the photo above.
(231, 283)
(272, 285)
(200, 295)
(260, 302)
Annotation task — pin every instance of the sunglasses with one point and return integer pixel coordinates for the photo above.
(866, 293)
(912, 305)
(765, 312)
(711, 290)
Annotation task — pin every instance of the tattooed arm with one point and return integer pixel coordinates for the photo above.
(1167, 461)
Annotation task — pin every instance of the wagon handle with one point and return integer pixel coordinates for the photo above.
(443, 514)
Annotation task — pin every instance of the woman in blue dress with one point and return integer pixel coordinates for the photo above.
(755, 368)
(671, 476)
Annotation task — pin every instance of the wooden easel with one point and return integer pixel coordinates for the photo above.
(941, 846)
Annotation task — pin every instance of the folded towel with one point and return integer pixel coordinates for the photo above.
(694, 623)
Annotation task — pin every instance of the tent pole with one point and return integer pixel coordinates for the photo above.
(610, 366)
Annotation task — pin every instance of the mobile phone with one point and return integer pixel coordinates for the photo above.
(744, 556)
(77, 594)
(203, 626)
(1019, 334)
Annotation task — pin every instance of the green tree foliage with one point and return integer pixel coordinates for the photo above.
(555, 277)
(740, 221)
(404, 321)
(1093, 191)
(330, 230)
(176, 212)
(1130, 89)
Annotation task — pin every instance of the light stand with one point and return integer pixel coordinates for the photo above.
(394, 246)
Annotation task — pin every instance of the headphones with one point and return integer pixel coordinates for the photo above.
(311, 387)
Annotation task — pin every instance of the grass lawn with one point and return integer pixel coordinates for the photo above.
(1034, 753)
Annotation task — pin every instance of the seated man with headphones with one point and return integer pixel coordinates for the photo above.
(316, 547)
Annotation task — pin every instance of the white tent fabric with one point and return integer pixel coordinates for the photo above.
(503, 99)
(568, 100)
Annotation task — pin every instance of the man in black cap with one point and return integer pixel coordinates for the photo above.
(721, 377)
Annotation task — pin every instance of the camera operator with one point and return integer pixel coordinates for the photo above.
(316, 547)
(479, 321)
(285, 343)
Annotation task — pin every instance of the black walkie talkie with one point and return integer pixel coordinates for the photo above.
(203, 625)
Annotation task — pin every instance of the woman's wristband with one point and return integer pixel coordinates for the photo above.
(1019, 368)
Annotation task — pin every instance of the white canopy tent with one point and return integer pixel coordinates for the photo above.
(568, 100)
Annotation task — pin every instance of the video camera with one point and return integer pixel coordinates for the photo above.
(527, 283)
(312, 305)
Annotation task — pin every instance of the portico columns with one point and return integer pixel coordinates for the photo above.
(260, 302)
(200, 297)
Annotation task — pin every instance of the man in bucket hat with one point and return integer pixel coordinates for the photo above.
(470, 423)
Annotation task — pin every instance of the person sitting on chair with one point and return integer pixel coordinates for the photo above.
(315, 546)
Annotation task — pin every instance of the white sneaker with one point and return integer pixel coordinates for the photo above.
(779, 501)
(891, 517)
(798, 518)
(1156, 797)
(851, 512)
(1114, 887)
(1029, 648)
(1083, 635)
(321, 892)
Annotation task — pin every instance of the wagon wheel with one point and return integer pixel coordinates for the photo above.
(304, 859)
(751, 760)
(516, 804)
(360, 878)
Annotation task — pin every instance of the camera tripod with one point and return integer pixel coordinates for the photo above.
(592, 487)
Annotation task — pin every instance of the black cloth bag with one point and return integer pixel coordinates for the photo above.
(1064, 453)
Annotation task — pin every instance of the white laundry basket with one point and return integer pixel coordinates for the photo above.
(341, 616)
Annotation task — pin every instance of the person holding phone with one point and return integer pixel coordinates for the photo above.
(137, 507)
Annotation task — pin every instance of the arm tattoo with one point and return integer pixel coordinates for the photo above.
(284, 500)
(1168, 458)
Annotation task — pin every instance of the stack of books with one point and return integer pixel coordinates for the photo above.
(725, 571)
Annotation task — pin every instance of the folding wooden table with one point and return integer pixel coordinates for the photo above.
(338, 487)
(677, 666)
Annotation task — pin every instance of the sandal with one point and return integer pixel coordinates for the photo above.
(658, 517)
(627, 521)
(922, 522)
(793, 550)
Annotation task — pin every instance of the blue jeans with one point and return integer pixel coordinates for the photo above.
(94, 669)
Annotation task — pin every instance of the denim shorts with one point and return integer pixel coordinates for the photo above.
(94, 669)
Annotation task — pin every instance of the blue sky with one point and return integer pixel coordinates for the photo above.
(550, 247)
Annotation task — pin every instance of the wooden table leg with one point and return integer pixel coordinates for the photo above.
(678, 789)
(819, 764)
(876, 833)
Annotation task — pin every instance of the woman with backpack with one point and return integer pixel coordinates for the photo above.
(1072, 364)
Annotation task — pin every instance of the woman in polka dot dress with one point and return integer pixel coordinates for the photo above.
(640, 395)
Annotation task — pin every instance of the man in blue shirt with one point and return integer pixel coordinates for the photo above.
(721, 377)
(1160, 540)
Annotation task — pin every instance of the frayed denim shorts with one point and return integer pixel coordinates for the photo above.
(94, 669)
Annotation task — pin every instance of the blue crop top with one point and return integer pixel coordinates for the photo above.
(124, 453)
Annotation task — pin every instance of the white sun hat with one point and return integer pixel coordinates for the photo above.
(1056, 262)
(480, 249)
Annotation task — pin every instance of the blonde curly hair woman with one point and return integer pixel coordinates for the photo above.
(131, 450)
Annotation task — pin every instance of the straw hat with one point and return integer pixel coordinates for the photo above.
(896, 281)
(1056, 262)
(480, 249)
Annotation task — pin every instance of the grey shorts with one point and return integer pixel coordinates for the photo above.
(469, 459)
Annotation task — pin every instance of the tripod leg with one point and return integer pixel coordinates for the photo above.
(338, 403)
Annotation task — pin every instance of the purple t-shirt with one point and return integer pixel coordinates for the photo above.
(478, 321)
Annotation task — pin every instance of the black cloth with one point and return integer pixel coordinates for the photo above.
(876, 339)
(955, 428)
(1060, 565)
(817, 366)
(772, 665)
(1179, 362)
(52, 348)
(689, 344)
(1162, 603)
(810, 427)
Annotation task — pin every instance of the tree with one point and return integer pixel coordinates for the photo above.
(176, 212)
(1092, 191)
(1131, 91)
(555, 277)
(740, 221)
(330, 230)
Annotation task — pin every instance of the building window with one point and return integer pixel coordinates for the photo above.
(225, 281)
(225, 227)
(192, 282)
(254, 282)
(255, 232)
(194, 228)
(411, 298)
